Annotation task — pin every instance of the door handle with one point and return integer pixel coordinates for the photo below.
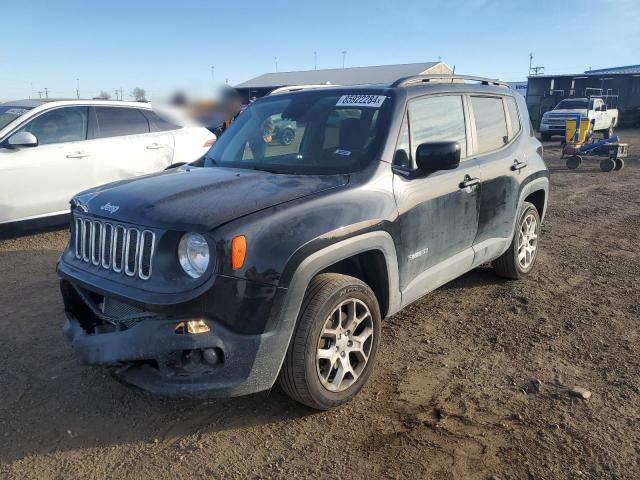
(518, 165)
(154, 146)
(78, 155)
(469, 182)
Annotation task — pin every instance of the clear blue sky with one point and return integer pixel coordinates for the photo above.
(160, 45)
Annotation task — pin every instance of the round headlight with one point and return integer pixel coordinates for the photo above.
(193, 254)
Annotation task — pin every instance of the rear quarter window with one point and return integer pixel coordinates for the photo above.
(514, 117)
(491, 123)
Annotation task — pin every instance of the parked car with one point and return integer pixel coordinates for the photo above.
(265, 262)
(601, 118)
(50, 150)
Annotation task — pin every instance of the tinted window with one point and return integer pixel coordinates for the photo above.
(491, 125)
(437, 119)
(117, 121)
(61, 125)
(514, 118)
(157, 123)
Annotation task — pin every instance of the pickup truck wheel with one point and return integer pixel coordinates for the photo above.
(608, 133)
(332, 351)
(521, 256)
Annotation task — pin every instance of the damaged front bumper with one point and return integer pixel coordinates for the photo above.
(155, 352)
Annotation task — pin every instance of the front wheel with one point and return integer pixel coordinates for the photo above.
(519, 259)
(332, 351)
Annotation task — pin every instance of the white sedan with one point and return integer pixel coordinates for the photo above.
(50, 150)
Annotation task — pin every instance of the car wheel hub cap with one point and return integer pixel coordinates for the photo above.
(344, 345)
(527, 241)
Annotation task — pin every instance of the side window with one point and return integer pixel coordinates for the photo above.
(118, 121)
(437, 119)
(491, 124)
(514, 118)
(402, 157)
(62, 125)
(157, 123)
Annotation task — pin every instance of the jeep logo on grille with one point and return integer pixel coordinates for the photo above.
(110, 208)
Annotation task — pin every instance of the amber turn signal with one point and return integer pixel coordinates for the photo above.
(238, 251)
(192, 327)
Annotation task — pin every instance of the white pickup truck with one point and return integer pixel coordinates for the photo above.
(602, 119)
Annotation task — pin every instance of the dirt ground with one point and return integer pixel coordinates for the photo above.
(470, 382)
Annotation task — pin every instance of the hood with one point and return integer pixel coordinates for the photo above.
(199, 198)
(567, 111)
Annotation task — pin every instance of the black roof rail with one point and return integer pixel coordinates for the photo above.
(420, 79)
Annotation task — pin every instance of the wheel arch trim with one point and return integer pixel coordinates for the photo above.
(273, 348)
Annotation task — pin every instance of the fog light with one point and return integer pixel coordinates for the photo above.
(192, 326)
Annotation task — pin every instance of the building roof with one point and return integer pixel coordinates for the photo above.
(625, 70)
(379, 74)
(632, 69)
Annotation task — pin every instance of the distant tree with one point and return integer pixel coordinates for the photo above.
(139, 94)
(103, 95)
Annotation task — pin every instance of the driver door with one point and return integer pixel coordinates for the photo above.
(39, 181)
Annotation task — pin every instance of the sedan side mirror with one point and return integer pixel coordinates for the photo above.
(22, 139)
(436, 156)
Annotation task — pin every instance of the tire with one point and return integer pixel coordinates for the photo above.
(545, 137)
(607, 165)
(608, 133)
(311, 377)
(619, 164)
(509, 265)
(574, 162)
(287, 136)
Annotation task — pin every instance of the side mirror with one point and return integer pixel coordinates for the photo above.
(22, 139)
(435, 156)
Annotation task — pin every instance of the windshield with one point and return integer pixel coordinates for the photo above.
(8, 114)
(572, 105)
(312, 132)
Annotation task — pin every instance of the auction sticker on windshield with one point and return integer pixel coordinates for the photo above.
(361, 101)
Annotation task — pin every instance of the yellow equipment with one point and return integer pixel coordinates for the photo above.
(570, 131)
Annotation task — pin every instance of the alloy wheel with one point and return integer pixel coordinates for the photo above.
(344, 345)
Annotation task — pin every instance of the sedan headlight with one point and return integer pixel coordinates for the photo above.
(193, 254)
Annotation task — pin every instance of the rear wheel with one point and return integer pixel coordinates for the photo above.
(607, 165)
(608, 133)
(619, 164)
(332, 351)
(574, 162)
(521, 256)
(287, 136)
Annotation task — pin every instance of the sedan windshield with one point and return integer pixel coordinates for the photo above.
(572, 105)
(8, 114)
(312, 132)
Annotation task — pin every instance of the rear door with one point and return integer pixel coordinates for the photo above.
(124, 146)
(40, 181)
(438, 212)
(496, 127)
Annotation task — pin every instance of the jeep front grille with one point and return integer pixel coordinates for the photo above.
(114, 247)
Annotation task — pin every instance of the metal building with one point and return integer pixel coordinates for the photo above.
(380, 74)
(619, 85)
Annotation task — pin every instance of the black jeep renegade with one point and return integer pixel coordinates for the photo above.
(269, 260)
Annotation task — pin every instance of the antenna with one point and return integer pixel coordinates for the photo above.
(534, 71)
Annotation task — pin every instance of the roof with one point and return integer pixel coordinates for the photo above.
(379, 74)
(629, 69)
(60, 101)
